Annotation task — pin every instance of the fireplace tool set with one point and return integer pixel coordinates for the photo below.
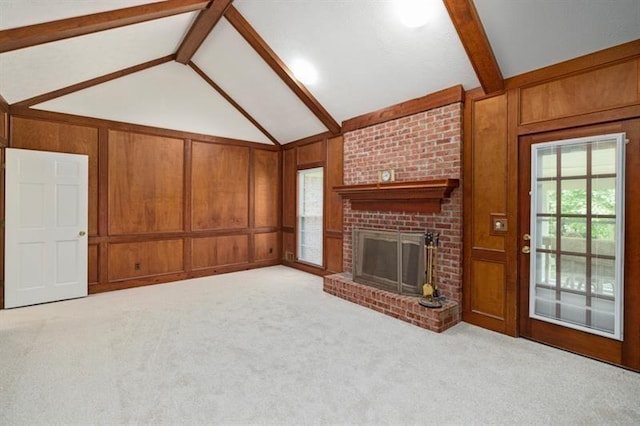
(430, 294)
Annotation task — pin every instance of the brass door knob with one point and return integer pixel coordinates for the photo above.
(526, 249)
(526, 237)
(82, 233)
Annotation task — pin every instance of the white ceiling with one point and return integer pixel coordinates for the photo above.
(366, 60)
(527, 35)
(41, 69)
(20, 13)
(229, 61)
(170, 96)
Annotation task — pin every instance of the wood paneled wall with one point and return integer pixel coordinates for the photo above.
(164, 207)
(325, 152)
(4, 139)
(599, 88)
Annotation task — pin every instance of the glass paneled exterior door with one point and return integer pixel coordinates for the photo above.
(577, 233)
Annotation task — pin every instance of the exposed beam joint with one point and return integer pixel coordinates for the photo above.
(93, 82)
(439, 99)
(469, 27)
(33, 35)
(279, 67)
(204, 23)
(229, 99)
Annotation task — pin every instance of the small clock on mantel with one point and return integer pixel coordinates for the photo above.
(386, 176)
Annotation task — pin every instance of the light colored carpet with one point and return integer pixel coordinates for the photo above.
(268, 346)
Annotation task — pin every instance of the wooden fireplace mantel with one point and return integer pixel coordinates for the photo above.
(424, 196)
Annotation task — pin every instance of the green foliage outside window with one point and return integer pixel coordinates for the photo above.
(603, 201)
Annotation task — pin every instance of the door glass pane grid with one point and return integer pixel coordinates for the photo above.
(574, 226)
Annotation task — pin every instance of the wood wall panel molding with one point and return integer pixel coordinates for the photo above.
(599, 117)
(266, 247)
(596, 90)
(144, 259)
(25, 112)
(266, 167)
(334, 177)
(280, 68)
(288, 244)
(211, 252)
(146, 191)
(4, 105)
(486, 141)
(333, 254)
(92, 261)
(138, 282)
(438, 99)
(2, 160)
(310, 154)
(308, 140)
(200, 29)
(92, 82)
(229, 99)
(488, 291)
(220, 187)
(488, 183)
(33, 35)
(4, 129)
(289, 189)
(59, 137)
(581, 64)
(475, 42)
(103, 181)
(512, 238)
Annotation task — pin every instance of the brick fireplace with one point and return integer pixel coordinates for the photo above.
(423, 146)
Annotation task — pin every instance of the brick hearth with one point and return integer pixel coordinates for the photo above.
(405, 308)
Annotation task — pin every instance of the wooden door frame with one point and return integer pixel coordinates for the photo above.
(626, 353)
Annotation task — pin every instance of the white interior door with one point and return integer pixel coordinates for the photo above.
(46, 227)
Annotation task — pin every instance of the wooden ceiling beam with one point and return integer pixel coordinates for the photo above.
(229, 99)
(204, 23)
(475, 42)
(93, 82)
(279, 67)
(33, 35)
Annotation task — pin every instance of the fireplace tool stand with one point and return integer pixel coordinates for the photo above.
(430, 294)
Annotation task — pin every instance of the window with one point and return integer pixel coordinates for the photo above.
(310, 205)
(577, 230)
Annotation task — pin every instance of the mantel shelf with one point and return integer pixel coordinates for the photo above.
(423, 196)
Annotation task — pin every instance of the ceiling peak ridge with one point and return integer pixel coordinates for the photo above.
(200, 29)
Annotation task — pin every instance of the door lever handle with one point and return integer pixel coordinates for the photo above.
(526, 249)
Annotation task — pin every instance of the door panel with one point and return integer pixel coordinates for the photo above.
(569, 249)
(46, 227)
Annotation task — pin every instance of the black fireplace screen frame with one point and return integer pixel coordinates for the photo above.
(389, 260)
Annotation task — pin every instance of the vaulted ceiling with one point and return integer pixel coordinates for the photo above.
(223, 68)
